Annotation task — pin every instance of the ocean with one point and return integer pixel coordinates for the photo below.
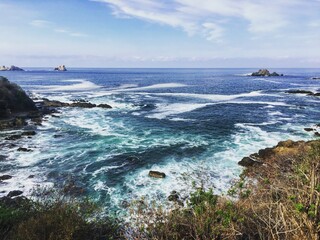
(192, 124)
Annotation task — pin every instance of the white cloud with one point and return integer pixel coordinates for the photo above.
(50, 25)
(207, 16)
(41, 23)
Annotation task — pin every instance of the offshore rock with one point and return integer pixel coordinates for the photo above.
(265, 73)
(156, 174)
(60, 68)
(12, 68)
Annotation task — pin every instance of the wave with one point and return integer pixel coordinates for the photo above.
(79, 85)
(164, 111)
(212, 97)
(155, 86)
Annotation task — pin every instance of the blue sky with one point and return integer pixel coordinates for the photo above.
(149, 33)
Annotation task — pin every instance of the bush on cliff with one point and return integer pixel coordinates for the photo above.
(54, 218)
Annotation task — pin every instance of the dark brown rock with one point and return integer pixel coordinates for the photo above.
(156, 174)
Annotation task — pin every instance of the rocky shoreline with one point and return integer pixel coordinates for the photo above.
(20, 116)
(17, 115)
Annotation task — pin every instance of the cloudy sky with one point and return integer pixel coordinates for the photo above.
(160, 33)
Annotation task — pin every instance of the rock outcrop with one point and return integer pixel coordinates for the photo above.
(307, 92)
(266, 155)
(78, 103)
(60, 68)
(12, 68)
(13, 99)
(265, 73)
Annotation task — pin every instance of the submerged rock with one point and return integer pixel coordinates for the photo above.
(265, 73)
(307, 92)
(156, 174)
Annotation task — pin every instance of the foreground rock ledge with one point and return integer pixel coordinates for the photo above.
(265, 156)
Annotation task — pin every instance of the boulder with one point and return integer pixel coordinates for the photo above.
(156, 174)
(308, 129)
(60, 68)
(14, 193)
(22, 149)
(174, 196)
(265, 73)
(5, 177)
(104, 106)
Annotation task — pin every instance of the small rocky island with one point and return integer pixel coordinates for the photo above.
(12, 68)
(265, 73)
(61, 68)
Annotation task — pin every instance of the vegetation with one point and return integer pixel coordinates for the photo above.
(279, 199)
(54, 217)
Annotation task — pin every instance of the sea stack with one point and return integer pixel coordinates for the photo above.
(61, 68)
(265, 73)
(12, 68)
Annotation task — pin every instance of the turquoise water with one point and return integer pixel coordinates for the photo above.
(192, 124)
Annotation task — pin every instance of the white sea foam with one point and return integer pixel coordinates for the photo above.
(266, 80)
(166, 110)
(276, 113)
(212, 97)
(79, 85)
(155, 86)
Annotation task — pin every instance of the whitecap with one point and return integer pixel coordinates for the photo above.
(166, 110)
(79, 85)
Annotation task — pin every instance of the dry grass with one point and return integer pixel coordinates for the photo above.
(277, 200)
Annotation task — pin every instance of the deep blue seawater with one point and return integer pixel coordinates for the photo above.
(192, 124)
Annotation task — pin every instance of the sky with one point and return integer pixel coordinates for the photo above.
(160, 33)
